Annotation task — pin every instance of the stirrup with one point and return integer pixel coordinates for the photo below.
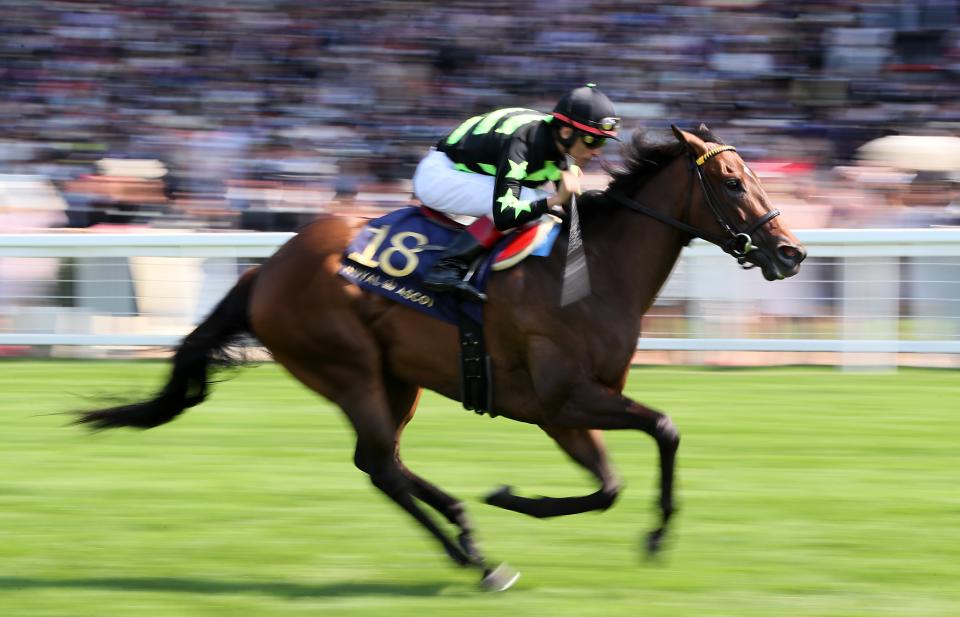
(455, 285)
(467, 291)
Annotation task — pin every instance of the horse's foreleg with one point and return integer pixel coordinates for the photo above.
(585, 447)
(597, 407)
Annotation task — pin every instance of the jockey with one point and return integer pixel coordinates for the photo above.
(492, 165)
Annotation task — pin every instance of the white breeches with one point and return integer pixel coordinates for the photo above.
(441, 186)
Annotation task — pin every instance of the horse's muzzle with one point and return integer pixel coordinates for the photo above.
(790, 256)
(785, 261)
(780, 263)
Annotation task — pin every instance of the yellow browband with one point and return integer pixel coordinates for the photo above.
(714, 152)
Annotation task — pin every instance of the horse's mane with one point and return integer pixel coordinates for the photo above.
(645, 154)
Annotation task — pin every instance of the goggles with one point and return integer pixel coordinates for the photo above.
(607, 124)
(593, 141)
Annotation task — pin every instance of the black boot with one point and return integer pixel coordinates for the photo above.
(448, 274)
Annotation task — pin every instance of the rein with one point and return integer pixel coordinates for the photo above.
(733, 242)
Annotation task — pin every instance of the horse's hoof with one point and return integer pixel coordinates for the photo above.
(654, 542)
(499, 497)
(500, 578)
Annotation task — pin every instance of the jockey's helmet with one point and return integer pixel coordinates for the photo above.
(588, 110)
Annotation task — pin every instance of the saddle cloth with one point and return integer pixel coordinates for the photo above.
(391, 255)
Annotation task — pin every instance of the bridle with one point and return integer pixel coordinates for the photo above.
(737, 243)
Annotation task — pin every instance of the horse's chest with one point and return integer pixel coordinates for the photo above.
(609, 355)
(609, 369)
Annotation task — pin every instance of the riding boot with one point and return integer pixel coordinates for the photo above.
(448, 274)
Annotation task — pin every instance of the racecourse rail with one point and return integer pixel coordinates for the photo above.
(876, 291)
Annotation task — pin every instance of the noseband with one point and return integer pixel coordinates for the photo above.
(737, 243)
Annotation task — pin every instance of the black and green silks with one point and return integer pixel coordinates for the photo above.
(517, 147)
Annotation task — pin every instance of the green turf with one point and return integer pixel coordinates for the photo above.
(803, 492)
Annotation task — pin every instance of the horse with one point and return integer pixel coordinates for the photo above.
(562, 368)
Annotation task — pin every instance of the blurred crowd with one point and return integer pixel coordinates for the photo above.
(257, 114)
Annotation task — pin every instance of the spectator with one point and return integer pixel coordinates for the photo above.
(203, 87)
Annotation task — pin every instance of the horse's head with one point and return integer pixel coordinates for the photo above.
(736, 210)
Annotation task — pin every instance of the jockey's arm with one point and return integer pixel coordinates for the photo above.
(509, 210)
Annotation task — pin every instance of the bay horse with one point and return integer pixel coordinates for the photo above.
(562, 369)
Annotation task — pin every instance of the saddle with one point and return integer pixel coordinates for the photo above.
(391, 255)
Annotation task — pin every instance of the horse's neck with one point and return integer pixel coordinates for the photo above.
(635, 253)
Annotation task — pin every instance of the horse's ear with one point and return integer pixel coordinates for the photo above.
(677, 132)
(694, 143)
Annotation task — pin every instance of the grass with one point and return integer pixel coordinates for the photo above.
(803, 492)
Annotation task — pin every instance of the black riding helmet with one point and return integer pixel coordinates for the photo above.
(589, 111)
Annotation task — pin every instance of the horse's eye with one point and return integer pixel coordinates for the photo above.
(733, 184)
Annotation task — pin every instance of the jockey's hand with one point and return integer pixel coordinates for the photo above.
(570, 180)
(569, 185)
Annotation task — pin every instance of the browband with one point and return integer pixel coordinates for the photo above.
(713, 153)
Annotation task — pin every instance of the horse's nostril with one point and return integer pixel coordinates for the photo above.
(791, 255)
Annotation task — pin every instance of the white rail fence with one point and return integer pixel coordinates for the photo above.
(883, 293)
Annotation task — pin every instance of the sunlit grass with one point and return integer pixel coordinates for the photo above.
(803, 492)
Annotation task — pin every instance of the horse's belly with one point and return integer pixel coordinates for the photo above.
(424, 351)
(417, 349)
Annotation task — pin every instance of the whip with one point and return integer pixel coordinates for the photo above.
(576, 275)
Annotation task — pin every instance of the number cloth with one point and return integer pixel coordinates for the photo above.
(391, 255)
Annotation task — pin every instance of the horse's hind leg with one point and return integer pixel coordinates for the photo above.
(376, 455)
(403, 404)
(451, 509)
(359, 392)
(389, 475)
(585, 447)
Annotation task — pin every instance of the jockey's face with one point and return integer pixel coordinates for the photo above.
(580, 151)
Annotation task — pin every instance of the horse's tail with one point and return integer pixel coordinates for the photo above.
(202, 350)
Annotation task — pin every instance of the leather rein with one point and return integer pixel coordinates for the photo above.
(737, 243)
